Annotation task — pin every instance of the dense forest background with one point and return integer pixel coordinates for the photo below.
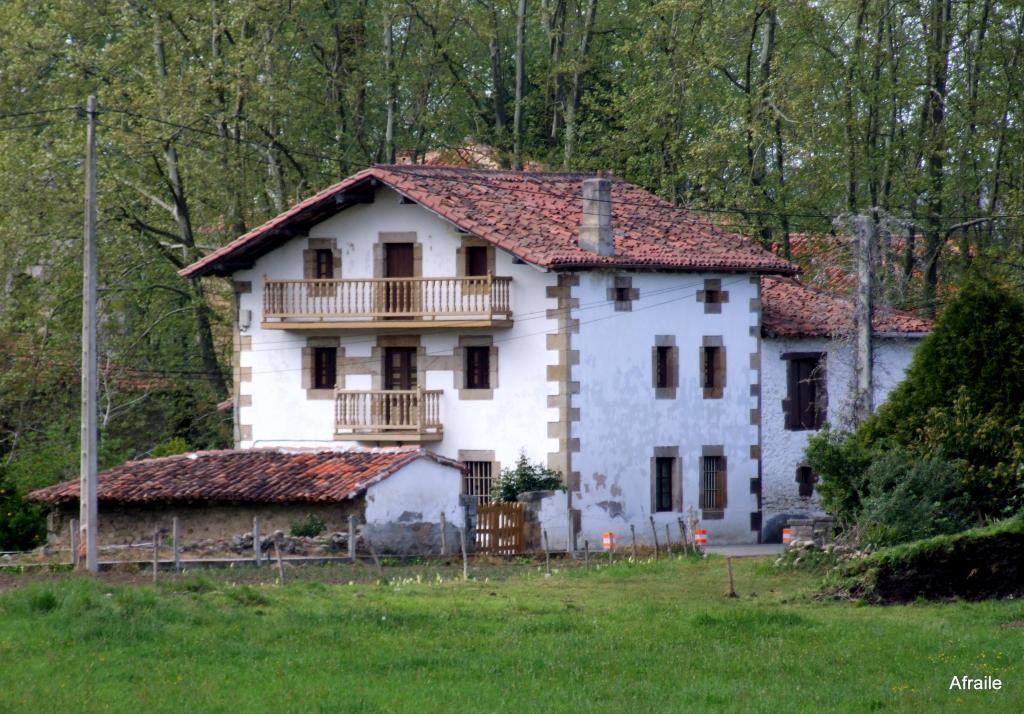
(775, 118)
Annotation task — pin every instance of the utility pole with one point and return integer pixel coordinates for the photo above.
(88, 463)
(867, 226)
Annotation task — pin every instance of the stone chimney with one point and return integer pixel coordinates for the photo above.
(596, 225)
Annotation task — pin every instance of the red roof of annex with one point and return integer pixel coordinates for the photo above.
(533, 215)
(791, 308)
(264, 475)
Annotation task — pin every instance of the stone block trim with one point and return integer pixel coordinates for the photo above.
(712, 296)
(560, 373)
(622, 293)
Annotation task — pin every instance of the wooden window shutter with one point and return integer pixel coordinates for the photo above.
(719, 375)
(325, 367)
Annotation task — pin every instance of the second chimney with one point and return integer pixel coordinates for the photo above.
(596, 224)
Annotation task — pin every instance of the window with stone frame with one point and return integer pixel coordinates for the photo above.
(806, 404)
(325, 366)
(713, 296)
(713, 486)
(665, 367)
(477, 481)
(712, 368)
(323, 264)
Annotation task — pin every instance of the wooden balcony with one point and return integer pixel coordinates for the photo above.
(390, 303)
(412, 415)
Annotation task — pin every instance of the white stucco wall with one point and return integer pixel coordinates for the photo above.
(516, 418)
(417, 493)
(621, 422)
(782, 451)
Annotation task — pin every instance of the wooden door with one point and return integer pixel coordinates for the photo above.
(400, 374)
(399, 296)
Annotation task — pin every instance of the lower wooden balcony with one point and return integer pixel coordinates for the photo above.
(388, 303)
(412, 415)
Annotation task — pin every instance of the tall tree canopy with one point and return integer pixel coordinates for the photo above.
(214, 115)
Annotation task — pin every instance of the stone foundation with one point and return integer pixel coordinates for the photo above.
(123, 524)
(813, 531)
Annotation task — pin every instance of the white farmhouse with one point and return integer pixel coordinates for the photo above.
(578, 319)
(808, 379)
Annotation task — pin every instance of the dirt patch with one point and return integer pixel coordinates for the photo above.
(1013, 623)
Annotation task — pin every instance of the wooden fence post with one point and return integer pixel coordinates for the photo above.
(586, 555)
(655, 532)
(352, 538)
(547, 555)
(682, 536)
(668, 541)
(156, 553)
(632, 530)
(444, 535)
(256, 544)
(280, 565)
(176, 539)
(732, 586)
(465, 555)
(74, 543)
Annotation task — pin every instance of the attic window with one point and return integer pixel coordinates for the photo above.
(622, 293)
(713, 296)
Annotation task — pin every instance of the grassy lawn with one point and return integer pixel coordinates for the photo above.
(633, 637)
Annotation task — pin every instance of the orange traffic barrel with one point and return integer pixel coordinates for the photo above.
(608, 540)
(787, 536)
(700, 536)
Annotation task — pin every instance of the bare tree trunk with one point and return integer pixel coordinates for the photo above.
(498, 87)
(180, 213)
(576, 92)
(517, 146)
(392, 90)
(934, 115)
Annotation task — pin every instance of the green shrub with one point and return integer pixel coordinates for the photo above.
(523, 477)
(946, 450)
(22, 525)
(309, 527)
(912, 497)
(175, 445)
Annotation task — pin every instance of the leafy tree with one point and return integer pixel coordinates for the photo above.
(947, 448)
(523, 477)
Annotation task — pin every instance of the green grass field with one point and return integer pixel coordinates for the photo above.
(633, 637)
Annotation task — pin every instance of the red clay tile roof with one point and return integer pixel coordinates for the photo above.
(261, 475)
(533, 215)
(790, 308)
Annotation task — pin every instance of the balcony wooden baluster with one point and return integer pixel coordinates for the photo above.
(388, 415)
(387, 302)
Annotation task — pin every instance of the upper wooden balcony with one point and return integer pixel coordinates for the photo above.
(410, 415)
(374, 303)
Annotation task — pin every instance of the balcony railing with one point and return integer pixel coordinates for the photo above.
(361, 302)
(388, 415)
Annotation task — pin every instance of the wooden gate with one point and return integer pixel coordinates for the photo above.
(500, 528)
